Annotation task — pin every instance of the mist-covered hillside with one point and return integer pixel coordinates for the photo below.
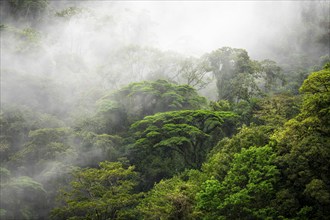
(165, 109)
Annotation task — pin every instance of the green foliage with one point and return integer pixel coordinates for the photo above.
(44, 145)
(94, 148)
(233, 71)
(15, 123)
(172, 198)
(28, 148)
(304, 152)
(272, 75)
(221, 105)
(110, 119)
(103, 193)
(244, 109)
(120, 109)
(149, 97)
(240, 78)
(247, 190)
(167, 143)
(167, 200)
(22, 198)
(273, 110)
(277, 109)
(317, 190)
(69, 12)
(221, 156)
(316, 89)
(285, 175)
(48, 154)
(13, 132)
(27, 8)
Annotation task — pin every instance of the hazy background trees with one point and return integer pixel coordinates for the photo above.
(118, 110)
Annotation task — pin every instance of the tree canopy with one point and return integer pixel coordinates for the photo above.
(100, 193)
(167, 143)
(96, 122)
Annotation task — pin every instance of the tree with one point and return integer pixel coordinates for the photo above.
(22, 197)
(131, 103)
(172, 198)
(271, 74)
(150, 97)
(277, 109)
(244, 109)
(35, 155)
(222, 155)
(94, 148)
(316, 89)
(27, 9)
(15, 123)
(240, 78)
(103, 193)
(194, 72)
(235, 74)
(303, 146)
(167, 143)
(14, 132)
(44, 145)
(247, 190)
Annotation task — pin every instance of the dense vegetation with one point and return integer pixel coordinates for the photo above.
(155, 148)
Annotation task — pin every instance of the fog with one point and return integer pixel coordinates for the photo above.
(82, 47)
(197, 27)
(58, 62)
(62, 59)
